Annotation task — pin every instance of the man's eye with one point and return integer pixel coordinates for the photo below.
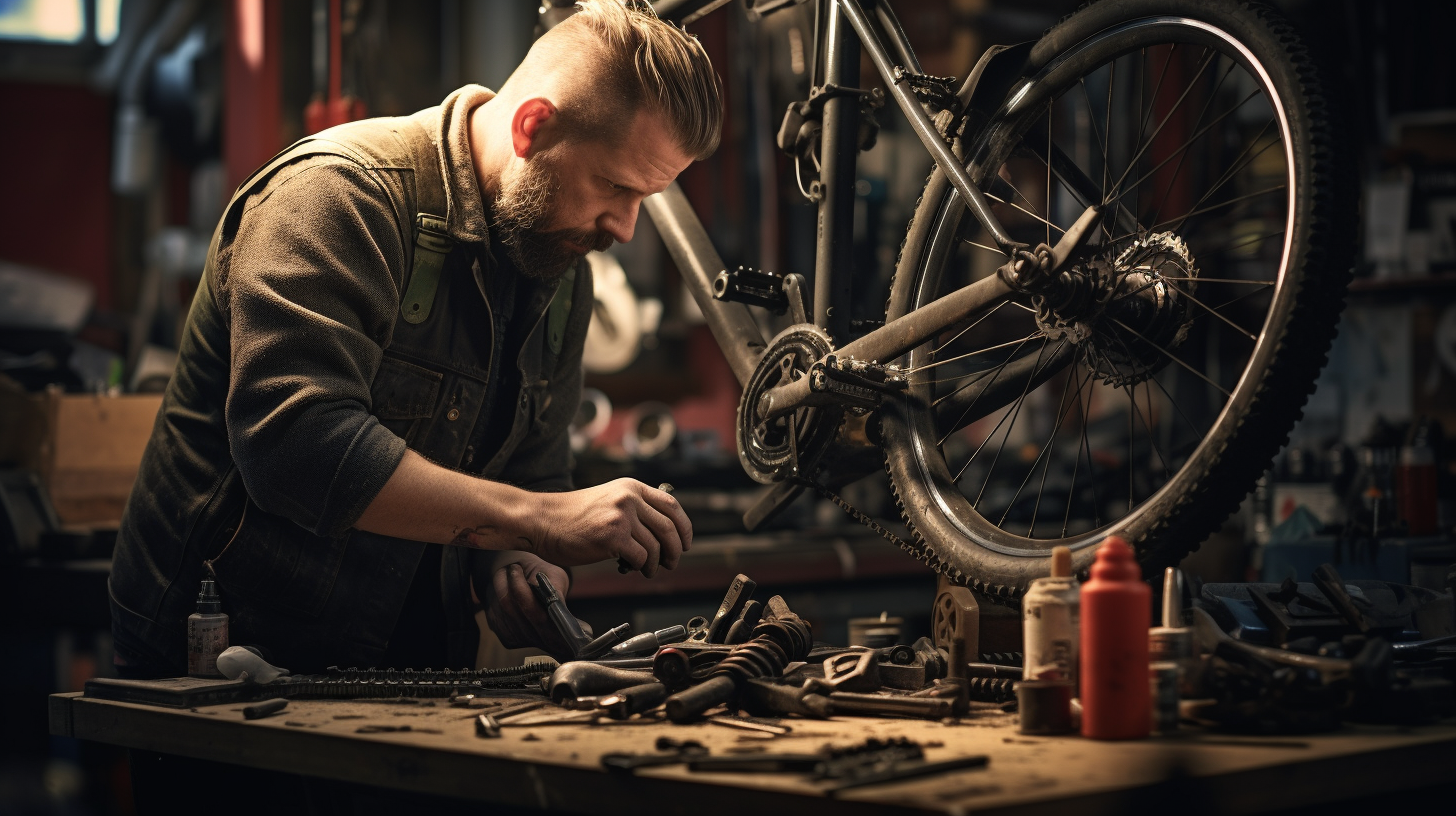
(615, 187)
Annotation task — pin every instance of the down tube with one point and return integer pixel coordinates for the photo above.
(687, 242)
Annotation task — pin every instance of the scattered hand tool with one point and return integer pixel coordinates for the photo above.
(486, 727)
(883, 705)
(898, 771)
(623, 566)
(633, 700)
(779, 639)
(738, 595)
(566, 623)
(1332, 586)
(599, 646)
(582, 679)
(258, 711)
(675, 753)
(581, 646)
(742, 628)
(762, 695)
(649, 642)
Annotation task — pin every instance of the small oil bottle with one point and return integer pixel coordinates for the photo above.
(207, 632)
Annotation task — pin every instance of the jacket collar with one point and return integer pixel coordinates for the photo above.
(466, 215)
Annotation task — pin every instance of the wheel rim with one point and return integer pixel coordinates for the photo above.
(1235, 278)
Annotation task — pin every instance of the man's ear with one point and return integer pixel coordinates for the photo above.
(527, 123)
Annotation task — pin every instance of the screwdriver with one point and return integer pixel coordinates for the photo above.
(622, 566)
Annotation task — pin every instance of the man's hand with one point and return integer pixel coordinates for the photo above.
(513, 612)
(621, 519)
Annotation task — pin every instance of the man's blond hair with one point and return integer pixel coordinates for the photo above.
(619, 59)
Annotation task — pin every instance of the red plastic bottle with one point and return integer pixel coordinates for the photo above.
(1116, 613)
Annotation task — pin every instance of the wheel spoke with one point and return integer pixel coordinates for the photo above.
(962, 332)
(1172, 357)
(1255, 240)
(999, 200)
(1181, 152)
(1236, 327)
(1200, 279)
(1087, 446)
(1177, 407)
(1063, 408)
(1177, 223)
(957, 424)
(1015, 412)
(1201, 68)
(1076, 455)
(927, 366)
(1132, 406)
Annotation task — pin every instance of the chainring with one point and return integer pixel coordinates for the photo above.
(790, 445)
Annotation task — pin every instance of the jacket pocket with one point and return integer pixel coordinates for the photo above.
(404, 393)
(273, 561)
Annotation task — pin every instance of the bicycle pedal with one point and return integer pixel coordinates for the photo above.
(751, 286)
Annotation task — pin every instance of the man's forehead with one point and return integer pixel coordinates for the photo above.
(647, 157)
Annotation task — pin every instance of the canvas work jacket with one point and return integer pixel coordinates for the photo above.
(351, 307)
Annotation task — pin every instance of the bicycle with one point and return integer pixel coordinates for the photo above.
(1185, 273)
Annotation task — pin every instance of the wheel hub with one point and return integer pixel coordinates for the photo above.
(1130, 310)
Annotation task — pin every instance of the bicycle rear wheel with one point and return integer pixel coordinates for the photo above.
(1151, 404)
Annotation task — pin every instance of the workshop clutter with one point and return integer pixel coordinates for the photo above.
(1266, 659)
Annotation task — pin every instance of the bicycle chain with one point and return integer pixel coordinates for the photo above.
(855, 514)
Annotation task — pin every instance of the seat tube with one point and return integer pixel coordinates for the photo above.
(834, 266)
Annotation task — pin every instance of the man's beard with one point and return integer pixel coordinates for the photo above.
(523, 207)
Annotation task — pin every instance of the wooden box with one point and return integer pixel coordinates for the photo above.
(86, 447)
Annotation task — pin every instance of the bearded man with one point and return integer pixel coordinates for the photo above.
(367, 427)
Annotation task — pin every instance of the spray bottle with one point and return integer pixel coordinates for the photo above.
(1116, 612)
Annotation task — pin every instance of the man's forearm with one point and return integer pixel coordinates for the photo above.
(423, 501)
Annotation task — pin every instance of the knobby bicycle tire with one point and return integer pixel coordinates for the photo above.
(1290, 349)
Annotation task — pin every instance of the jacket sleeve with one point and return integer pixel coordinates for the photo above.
(311, 295)
(543, 461)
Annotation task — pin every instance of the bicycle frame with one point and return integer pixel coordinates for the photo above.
(843, 28)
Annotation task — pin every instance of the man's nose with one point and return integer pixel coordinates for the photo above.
(620, 222)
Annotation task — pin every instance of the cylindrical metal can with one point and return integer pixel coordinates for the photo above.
(1045, 706)
(1163, 689)
(1050, 613)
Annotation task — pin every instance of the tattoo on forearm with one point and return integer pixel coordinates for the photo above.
(473, 536)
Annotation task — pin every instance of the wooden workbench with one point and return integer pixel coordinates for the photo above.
(556, 767)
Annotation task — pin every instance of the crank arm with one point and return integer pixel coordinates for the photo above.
(891, 340)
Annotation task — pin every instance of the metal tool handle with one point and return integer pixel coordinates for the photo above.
(633, 700)
(689, 704)
(566, 623)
